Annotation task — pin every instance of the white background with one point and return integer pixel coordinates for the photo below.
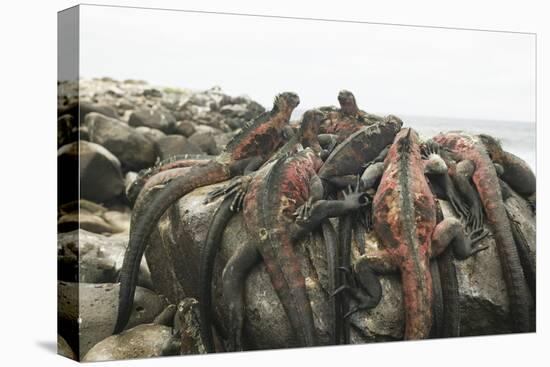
(391, 69)
(28, 185)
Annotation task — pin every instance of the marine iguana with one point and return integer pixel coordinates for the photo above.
(349, 158)
(252, 146)
(471, 152)
(348, 119)
(234, 194)
(405, 222)
(276, 216)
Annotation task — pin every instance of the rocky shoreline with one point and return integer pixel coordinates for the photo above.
(127, 126)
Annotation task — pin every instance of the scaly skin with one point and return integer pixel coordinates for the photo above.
(186, 160)
(487, 184)
(234, 193)
(245, 152)
(381, 136)
(405, 222)
(270, 208)
(348, 159)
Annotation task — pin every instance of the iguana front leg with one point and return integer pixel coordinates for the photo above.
(462, 178)
(322, 209)
(451, 232)
(316, 192)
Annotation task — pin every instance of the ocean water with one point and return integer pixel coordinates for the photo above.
(517, 137)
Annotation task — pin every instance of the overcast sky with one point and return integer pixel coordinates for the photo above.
(390, 69)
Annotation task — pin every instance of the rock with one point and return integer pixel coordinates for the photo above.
(206, 142)
(64, 349)
(142, 341)
(95, 306)
(207, 129)
(152, 92)
(118, 219)
(132, 148)
(80, 110)
(67, 130)
(156, 118)
(150, 133)
(93, 217)
(99, 257)
(100, 173)
(176, 144)
(185, 128)
(182, 231)
(89, 222)
(223, 139)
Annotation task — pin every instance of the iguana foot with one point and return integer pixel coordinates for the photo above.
(475, 219)
(364, 287)
(304, 211)
(474, 237)
(237, 187)
(354, 198)
(428, 148)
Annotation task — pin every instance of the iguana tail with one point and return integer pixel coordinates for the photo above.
(451, 297)
(518, 293)
(208, 255)
(198, 176)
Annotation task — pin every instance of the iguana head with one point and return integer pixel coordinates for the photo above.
(286, 102)
(347, 102)
(492, 145)
(309, 127)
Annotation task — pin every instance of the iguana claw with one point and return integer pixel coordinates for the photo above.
(238, 187)
(304, 211)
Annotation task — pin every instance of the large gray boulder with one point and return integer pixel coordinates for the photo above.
(87, 257)
(97, 169)
(206, 142)
(173, 258)
(155, 117)
(92, 217)
(172, 145)
(142, 341)
(132, 148)
(91, 310)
